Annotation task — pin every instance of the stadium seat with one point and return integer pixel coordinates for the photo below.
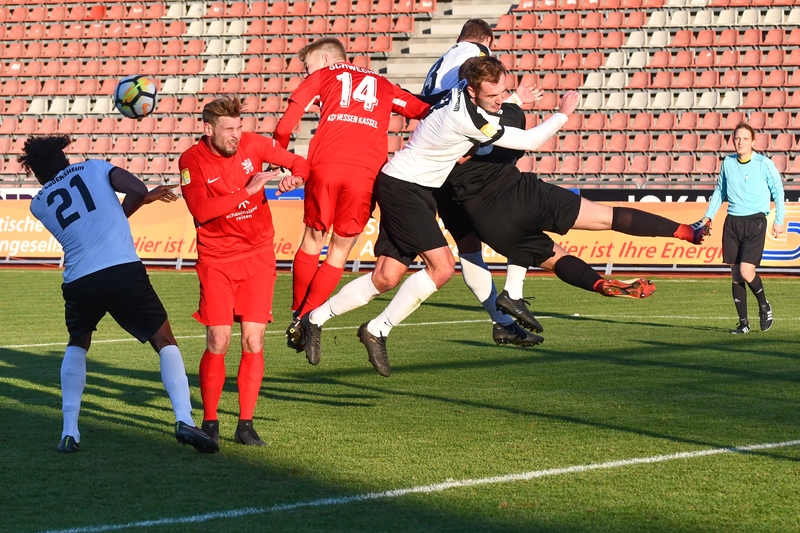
(684, 165)
(665, 142)
(618, 142)
(618, 121)
(780, 120)
(708, 164)
(641, 143)
(616, 164)
(546, 164)
(640, 164)
(712, 142)
(572, 142)
(688, 142)
(662, 164)
(686, 122)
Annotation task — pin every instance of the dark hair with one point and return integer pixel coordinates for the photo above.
(476, 30)
(44, 156)
(332, 45)
(744, 126)
(477, 70)
(222, 107)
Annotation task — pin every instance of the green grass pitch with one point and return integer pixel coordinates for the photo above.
(616, 380)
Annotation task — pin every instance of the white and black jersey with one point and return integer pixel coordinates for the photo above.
(82, 211)
(450, 130)
(443, 75)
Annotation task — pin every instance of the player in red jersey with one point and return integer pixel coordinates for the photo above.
(346, 153)
(223, 184)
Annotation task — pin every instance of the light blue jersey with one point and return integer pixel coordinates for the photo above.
(748, 187)
(82, 211)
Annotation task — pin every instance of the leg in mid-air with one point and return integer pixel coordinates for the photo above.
(388, 273)
(503, 309)
(597, 217)
(439, 268)
(312, 283)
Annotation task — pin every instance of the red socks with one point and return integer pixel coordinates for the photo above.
(251, 373)
(304, 268)
(212, 378)
(322, 286)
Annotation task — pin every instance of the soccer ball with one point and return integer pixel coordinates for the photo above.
(135, 96)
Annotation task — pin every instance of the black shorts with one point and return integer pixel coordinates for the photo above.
(514, 220)
(123, 291)
(455, 219)
(743, 239)
(408, 219)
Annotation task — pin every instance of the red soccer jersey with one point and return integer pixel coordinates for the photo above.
(356, 104)
(230, 223)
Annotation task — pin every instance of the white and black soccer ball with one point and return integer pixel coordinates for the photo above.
(136, 96)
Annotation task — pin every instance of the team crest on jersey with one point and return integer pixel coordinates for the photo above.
(185, 178)
(489, 130)
(247, 165)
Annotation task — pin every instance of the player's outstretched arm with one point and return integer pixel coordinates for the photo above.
(163, 193)
(529, 93)
(132, 187)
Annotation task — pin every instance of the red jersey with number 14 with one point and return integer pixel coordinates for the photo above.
(355, 106)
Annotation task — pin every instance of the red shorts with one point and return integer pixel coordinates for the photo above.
(338, 196)
(237, 291)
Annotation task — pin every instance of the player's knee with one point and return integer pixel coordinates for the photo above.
(217, 342)
(385, 280)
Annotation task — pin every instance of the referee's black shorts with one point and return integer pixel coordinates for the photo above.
(124, 291)
(514, 221)
(743, 239)
(408, 219)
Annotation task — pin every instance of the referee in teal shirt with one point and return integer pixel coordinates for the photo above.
(747, 181)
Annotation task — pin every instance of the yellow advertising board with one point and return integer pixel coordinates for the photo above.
(166, 232)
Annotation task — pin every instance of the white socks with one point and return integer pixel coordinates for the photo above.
(355, 294)
(515, 278)
(173, 375)
(73, 381)
(410, 295)
(479, 280)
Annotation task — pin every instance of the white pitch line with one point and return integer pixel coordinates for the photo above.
(425, 489)
(416, 324)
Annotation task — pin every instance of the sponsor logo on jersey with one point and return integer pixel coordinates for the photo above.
(185, 178)
(215, 179)
(489, 130)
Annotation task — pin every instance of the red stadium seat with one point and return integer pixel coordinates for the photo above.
(708, 164)
(665, 121)
(546, 164)
(665, 142)
(688, 142)
(684, 165)
(594, 165)
(732, 119)
(754, 99)
(780, 120)
(711, 143)
(687, 121)
(754, 78)
(640, 164)
(618, 121)
(617, 143)
(596, 122)
(641, 143)
(616, 164)
(662, 164)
